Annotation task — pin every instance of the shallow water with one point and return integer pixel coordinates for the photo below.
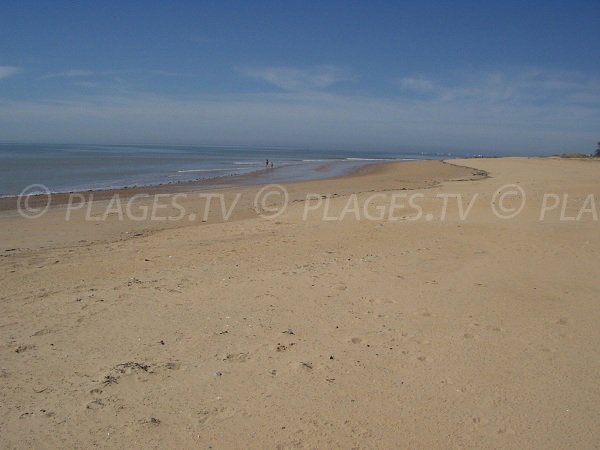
(73, 167)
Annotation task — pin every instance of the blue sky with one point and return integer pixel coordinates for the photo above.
(498, 77)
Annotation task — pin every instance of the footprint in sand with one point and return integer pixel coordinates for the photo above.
(41, 332)
(95, 404)
(218, 413)
(424, 313)
(236, 357)
(173, 365)
(22, 348)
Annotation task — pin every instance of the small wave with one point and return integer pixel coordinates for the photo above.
(246, 163)
(369, 159)
(208, 170)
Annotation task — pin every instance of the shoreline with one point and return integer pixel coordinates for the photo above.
(86, 170)
(54, 228)
(9, 202)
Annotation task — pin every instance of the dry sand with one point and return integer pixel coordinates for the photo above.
(292, 333)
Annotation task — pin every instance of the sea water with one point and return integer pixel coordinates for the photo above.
(80, 167)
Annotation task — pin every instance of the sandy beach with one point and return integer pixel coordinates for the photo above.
(346, 319)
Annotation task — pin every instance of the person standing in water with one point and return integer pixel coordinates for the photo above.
(267, 163)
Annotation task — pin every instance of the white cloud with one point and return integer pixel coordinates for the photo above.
(295, 79)
(417, 84)
(85, 84)
(304, 119)
(9, 71)
(68, 74)
(79, 73)
(524, 86)
(521, 111)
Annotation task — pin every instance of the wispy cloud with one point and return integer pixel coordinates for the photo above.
(68, 74)
(86, 84)
(9, 71)
(522, 110)
(525, 86)
(80, 73)
(299, 79)
(417, 84)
